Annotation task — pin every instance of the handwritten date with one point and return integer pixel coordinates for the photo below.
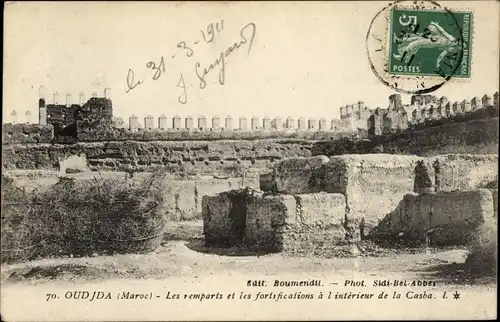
(158, 69)
(210, 35)
(247, 36)
(131, 83)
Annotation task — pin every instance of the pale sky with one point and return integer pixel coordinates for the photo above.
(307, 59)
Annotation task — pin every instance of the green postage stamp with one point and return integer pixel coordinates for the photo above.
(430, 43)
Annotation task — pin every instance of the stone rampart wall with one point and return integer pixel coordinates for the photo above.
(478, 136)
(146, 135)
(184, 156)
(27, 133)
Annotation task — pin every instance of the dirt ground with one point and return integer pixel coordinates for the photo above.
(182, 260)
(183, 252)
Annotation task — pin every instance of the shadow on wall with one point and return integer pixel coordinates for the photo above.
(441, 219)
(229, 221)
(451, 200)
(236, 206)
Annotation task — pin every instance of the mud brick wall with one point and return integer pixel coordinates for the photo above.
(174, 156)
(357, 194)
(146, 135)
(224, 217)
(319, 227)
(264, 216)
(454, 172)
(61, 116)
(448, 218)
(473, 137)
(299, 224)
(374, 184)
(300, 175)
(27, 133)
(183, 198)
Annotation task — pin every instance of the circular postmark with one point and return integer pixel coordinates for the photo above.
(415, 47)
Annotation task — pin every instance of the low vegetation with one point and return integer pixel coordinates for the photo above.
(81, 218)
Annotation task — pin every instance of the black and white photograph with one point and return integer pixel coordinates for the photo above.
(249, 160)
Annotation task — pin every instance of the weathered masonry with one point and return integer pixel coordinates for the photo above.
(318, 202)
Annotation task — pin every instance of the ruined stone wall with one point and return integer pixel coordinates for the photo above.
(319, 227)
(374, 184)
(92, 119)
(230, 124)
(183, 197)
(98, 131)
(454, 172)
(477, 136)
(395, 121)
(431, 117)
(445, 218)
(120, 134)
(299, 224)
(61, 116)
(300, 175)
(426, 111)
(175, 156)
(316, 204)
(224, 217)
(264, 215)
(430, 108)
(95, 111)
(376, 122)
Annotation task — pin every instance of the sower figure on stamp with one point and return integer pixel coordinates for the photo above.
(434, 36)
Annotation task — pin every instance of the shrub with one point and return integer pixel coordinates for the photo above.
(81, 218)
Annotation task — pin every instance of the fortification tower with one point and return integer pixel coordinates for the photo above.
(13, 116)
(107, 93)
(81, 99)
(42, 109)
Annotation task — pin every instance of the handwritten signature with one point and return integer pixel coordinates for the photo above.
(224, 54)
(247, 35)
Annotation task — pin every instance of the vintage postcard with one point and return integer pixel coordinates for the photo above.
(226, 161)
